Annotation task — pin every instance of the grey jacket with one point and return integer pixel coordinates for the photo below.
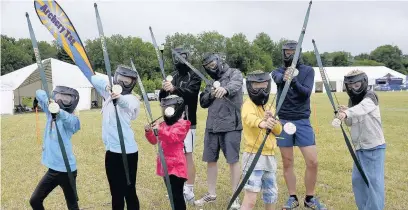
(222, 115)
(365, 121)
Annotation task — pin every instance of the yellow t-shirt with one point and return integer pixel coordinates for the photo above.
(252, 115)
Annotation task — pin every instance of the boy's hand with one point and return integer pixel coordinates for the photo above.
(271, 122)
(268, 114)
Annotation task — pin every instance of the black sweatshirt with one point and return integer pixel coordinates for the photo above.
(186, 86)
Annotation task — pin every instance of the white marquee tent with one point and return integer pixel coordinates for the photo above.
(24, 82)
(336, 76)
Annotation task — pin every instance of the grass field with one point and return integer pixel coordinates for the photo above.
(21, 168)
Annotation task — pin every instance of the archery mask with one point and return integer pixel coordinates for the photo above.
(180, 66)
(213, 65)
(288, 52)
(258, 84)
(67, 98)
(126, 78)
(356, 85)
(172, 108)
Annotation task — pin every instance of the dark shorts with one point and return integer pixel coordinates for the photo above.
(303, 137)
(228, 142)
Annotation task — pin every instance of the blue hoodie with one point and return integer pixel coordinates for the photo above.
(296, 105)
(68, 124)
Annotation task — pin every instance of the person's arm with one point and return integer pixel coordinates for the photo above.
(191, 90)
(304, 89)
(69, 121)
(277, 76)
(176, 132)
(235, 84)
(129, 104)
(206, 99)
(151, 137)
(100, 84)
(249, 117)
(366, 106)
(42, 100)
(277, 129)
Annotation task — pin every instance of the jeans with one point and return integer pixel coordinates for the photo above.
(372, 162)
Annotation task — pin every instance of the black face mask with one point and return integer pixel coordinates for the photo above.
(182, 68)
(356, 96)
(172, 102)
(259, 96)
(122, 71)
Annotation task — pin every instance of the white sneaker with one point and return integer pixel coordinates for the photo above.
(189, 197)
(235, 205)
(206, 199)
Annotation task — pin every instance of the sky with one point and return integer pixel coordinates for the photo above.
(352, 26)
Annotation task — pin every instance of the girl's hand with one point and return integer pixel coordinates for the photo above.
(147, 127)
(155, 126)
(341, 115)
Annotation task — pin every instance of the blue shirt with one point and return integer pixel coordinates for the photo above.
(128, 107)
(296, 105)
(68, 124)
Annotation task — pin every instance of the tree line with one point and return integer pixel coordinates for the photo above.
(261, 53)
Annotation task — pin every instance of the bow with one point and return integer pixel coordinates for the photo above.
(278, 107)
(214, 84)
(156, 49)
(156, 134)
(328, 91)
(45, 87)
(108, 72)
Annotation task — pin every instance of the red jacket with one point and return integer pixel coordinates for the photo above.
(172, 141)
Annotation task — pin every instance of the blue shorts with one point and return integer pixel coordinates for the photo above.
(303, 137)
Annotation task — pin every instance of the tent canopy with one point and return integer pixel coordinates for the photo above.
(25, 81)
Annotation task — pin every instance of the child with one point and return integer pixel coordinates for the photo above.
(255, 120)
(128, 107)
(171, 134)
(368, 139)
(68, 124)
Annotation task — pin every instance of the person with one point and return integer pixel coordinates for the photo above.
(128, 107)
(255, 116)
(187, 85)
(68, 124)
(296, 109)
(364, 118)
(171, 135)
(223, 126)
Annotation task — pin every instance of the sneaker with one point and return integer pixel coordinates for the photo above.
(235, 205)
(292, 203)
(188, 197)
(206, 199)
(315, 204)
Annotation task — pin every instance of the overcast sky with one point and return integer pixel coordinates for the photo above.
(353, 26)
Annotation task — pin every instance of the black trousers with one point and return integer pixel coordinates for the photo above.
(119, 189)
(49, 182)
(177, 185)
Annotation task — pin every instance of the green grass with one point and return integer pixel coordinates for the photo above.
(21, 167)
